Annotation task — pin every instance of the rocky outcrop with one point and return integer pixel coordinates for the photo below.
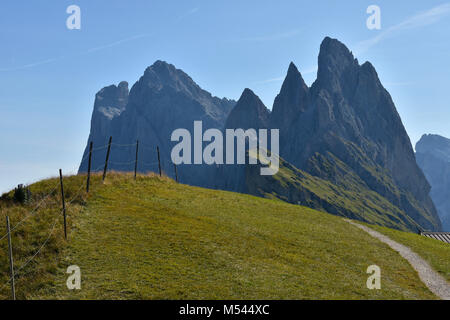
(292, 100)
(162, 100)
(109, 103)
(433, 156)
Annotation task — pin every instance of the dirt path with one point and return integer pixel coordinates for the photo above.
(436, 283)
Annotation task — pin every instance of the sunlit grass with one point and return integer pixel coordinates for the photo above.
(156, 239)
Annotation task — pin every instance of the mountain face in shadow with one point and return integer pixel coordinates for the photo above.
(345, 129)
(162, 100)
(343, 146)
(433, 156)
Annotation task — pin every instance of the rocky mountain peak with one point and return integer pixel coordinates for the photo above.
(112, 100)
(337, 67)
(292, 99)
(164, 75)
(123, 85)
(162, 82)
(433, 157)
(434, 144)
(248, 95)
(249, 112)
(113, 91)
(292, 69)
(164, 71)
(333, 51)
(293, 79)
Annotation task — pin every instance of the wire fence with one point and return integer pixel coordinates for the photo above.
(30, 214)
(19, 271)
(134, 164)
(129, 157)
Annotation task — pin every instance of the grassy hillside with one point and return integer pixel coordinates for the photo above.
(156, 239)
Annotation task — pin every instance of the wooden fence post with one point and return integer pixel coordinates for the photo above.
(176, 172)
(136, 163)
(159, 161)
(107, 158)
(11, 262)
(63, 202)
(89, 168)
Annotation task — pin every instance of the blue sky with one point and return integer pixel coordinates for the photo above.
(49, 74)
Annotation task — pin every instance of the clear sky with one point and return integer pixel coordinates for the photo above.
(50, 74)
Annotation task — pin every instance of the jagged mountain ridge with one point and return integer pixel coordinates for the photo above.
(348, 115)
(344, 130)
(162, 100)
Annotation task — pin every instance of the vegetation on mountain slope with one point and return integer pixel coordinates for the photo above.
(352, 200)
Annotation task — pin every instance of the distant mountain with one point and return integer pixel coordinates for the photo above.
(343, 146)
(433, 156)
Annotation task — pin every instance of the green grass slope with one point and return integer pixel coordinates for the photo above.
(156, 239)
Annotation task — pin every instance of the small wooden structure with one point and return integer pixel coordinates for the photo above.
(442, 236)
